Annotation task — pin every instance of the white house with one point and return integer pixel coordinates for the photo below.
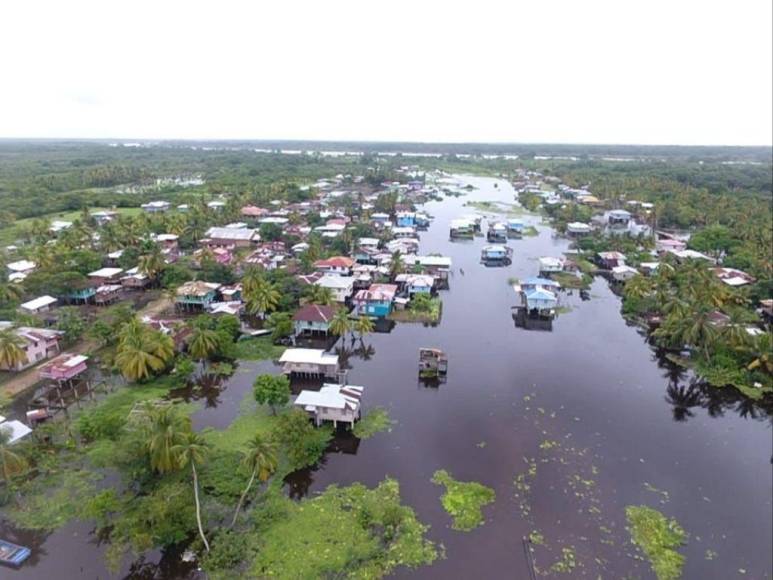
(309, 361)
(155, 206)
(332, 403)
(342, 287)
(548, 264)
(40, 304)
(623, 273)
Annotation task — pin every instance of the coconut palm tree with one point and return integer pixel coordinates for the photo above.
(142, 351)
(363, 325)
(10, 292)
(12, 354)
(760, 350)
(11, 463)
(319, 295)
(260, 458)
(203, 343)
(253, 277)
(638, 287)
(152, 263)
(340, 324)
(192, 450)
(165, 428)
(262, 299)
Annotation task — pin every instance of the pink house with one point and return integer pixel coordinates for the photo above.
(65, 367)
(39, 344)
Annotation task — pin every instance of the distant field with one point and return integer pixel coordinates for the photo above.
(12, 233)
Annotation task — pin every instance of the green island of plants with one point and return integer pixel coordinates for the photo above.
(375, 421)
(463, 500)
(659, 538)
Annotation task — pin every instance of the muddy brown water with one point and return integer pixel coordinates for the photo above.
(588, 401)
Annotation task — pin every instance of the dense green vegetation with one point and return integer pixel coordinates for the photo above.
(463, 500)
(659, 538)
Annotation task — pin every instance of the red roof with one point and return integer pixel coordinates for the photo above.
(335, 262)
(252, 211)
(315, 313)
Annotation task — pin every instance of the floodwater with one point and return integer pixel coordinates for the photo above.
(604, 419)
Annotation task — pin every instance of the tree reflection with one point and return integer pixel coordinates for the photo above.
(683, 398)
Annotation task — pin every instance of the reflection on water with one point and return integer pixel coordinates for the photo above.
(593, 382)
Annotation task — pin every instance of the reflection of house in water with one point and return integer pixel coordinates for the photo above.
(523, 320)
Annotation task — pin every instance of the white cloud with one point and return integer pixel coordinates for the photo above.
(606, 71)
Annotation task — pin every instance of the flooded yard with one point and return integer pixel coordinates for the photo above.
(568, 426)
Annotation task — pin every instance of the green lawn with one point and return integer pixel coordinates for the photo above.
(12, 233)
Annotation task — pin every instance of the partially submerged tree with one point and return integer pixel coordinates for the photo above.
(272, 390)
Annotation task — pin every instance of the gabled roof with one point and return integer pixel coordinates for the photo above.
(40, 302)
(308, 356)
(232, 233)
(315, 313)
(335, 262)
(331, 397)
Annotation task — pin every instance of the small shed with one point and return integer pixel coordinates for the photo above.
(40, 304)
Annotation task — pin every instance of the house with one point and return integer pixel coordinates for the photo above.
(684, 255)
(106, 276)
(649, 268)
(309, 361)
(496, 254)
(618, 218)
(623, 273)
(578, 229)
(82, 292)
(379, 219)
(59, 225)
(64, 367)
(107, 294)
(134, 279)
(515, 227)
(216, 205)
(220, 255)
(609, 260)
(38, 305)
(437, 266)
(337, 265)
(20, 269)
(462, 228)
(313, 319)
(536, 283)
(404, 232)
(168, 242)
(103, 217)
(376, 301)
(412, 284)
(342, 287)
(536, 298)
(733, 277)
(497, 233)
(155, 206)
(669, 244)
(231, 293)
(332, 403)
(548, 265)
(405, 219)
(38, 344)
(196, 295)
(251, 211)
(231, 237)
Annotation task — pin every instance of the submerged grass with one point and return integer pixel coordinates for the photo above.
(260, 348)
(658, 537)
(463, 500)
(374, 422)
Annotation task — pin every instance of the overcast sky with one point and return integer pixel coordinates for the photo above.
(617, 71)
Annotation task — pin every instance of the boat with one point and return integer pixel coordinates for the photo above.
(13, 555)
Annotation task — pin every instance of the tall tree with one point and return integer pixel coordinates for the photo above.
(261, 459)
(12, 353)
(164, 429)
(340, 324)
(11, 463)
(193, 450)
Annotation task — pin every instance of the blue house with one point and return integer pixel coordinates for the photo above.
(416, 283)
(514, 227)
(196, 295)
(406, 219)
(536, 283)
(540, 300)
(376, 301)
(496, 254)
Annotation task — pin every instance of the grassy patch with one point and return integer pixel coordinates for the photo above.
(530, 232)
(51, 501)
(430, 315)
(344, 532)
(261, 348)
(463, 500)
(570, 281)
(658, 537)
(374, 422)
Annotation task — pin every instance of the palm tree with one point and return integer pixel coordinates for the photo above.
(262, 298)
(253, 277)
(142, 350)
(152, 263)
(260, 459)
(193, 450)
(760, 350)
(340, 324)
(11, 463)
(12, 354)
(363, 325)
(638, 287)
(396, 266)
(10, 292)
(319, 295)
(165, 429)
(203, 343)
